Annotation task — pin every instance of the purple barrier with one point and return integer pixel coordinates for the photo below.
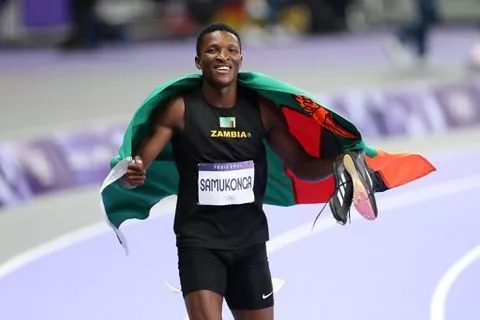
(70, 159)
(64, 160)
(410, 112)
(45, 13)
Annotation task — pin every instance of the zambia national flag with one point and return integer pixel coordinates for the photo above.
(321, 131)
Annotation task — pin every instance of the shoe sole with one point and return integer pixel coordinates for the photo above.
(361, 199)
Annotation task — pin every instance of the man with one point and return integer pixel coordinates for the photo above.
(87, 29)
(414, 37)
(217, 133)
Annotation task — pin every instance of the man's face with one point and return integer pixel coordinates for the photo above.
(220, 58)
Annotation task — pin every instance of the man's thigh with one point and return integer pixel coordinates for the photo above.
(201, 269)
(249, 284)
(203, 279)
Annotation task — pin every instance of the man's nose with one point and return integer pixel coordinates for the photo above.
(223, 55)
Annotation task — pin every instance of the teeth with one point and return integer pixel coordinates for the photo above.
(223, 68)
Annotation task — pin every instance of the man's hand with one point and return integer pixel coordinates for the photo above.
(135, 175)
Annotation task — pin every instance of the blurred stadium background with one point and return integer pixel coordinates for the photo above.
(73, 72)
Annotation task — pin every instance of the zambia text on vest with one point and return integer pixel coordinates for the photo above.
(229, 134)
(235, 184)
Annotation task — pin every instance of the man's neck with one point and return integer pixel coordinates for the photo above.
(220, 97)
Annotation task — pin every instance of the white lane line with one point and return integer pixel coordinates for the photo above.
(69, 239)
(439, 298)
(404, 199)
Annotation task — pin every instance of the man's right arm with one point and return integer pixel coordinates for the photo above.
(166, 122)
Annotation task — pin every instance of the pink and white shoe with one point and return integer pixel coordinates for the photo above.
(363, 184)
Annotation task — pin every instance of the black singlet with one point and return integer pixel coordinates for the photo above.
(214, 155)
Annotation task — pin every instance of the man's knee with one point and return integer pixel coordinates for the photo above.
(260, 314)
(204, 305)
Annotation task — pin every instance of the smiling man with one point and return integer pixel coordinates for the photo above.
(217, 131)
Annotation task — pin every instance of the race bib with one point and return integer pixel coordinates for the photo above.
(221, 184)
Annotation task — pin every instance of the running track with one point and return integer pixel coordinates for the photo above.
(415, 262)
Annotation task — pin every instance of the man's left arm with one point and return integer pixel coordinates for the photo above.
(286, 146)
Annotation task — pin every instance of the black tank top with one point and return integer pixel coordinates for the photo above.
(222, 166)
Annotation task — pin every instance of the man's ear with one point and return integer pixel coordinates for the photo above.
(198, 63)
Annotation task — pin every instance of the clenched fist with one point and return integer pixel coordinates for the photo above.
(135, 175)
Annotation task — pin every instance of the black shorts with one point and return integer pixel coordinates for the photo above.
(242, 276)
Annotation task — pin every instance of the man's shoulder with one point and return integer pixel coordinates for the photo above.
(185, 95)
(176, 100)
(172, 109)
(181, 98)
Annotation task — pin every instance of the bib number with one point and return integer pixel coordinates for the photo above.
(221, 184)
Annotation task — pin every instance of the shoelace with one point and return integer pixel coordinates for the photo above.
(337, 188)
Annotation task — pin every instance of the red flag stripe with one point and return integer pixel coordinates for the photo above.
(308, 133)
